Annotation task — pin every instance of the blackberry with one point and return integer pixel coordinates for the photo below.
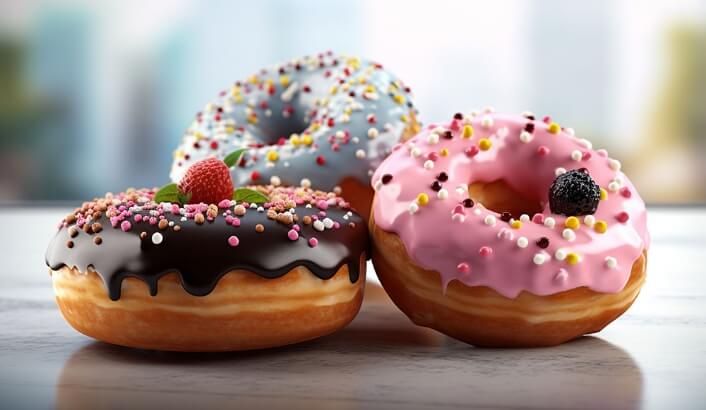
(574, 193)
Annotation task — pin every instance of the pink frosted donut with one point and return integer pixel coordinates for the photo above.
(466, 240)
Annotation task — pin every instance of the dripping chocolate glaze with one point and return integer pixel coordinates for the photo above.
(201, 255)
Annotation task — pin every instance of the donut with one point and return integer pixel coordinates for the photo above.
(325, 121)
(504, 230)
(235, 275)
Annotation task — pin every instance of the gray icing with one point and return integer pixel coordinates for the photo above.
(277, 111)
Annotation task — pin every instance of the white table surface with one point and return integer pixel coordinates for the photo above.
(652, 357)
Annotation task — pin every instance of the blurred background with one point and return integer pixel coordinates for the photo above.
(95, 94)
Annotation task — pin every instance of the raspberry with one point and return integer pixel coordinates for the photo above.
(208, 181)
(574, 193)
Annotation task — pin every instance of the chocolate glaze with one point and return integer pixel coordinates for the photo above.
(201, 255)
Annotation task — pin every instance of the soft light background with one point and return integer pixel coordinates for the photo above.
(94, 95)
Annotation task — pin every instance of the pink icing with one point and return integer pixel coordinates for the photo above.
(457, 242)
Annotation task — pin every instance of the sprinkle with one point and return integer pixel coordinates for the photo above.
(561, 276)
(429, 164)
(69, 244)
(157, 238)
(413, 208)
(542, 150)
(462, 189)
(463, 267)
(485, 251)
(539, 258)
(516, 224)
(614, 164)
(484, 144)
(275, 180)
(233, 241)
(568, 234)
(613, 186)
(522, 242)
(259, 228)
(549, 222)
(433, 138)
(468, 203)
(538, 218)
(471, 151)
(98, 240)
(442, 194)
(625, 192)
(163, 224)
(318, 225)
(576, 155)
(622, 217)
(422, 199)
(554, 128)
(543, 242)
(559, 171)
(239, 210)
(600, 226)
(373, 133)
(525, 137)
(589, 220)
(486, 122)
(320, 160)
(293, 235)
(572, 222)
(489, 220)
(125, 226)
(560, 254)
(328, 223)
(307, 139)
(610, 262)
(386, 179)
(272, 156)
(415, 152)
(313, 242)
(322, 204)
(444, 152)
(572, 258)
(360, 154)
(467, 131)
(604, 194)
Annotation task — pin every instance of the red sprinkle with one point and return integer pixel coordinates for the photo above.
(463, 267)
(538, 218)
(625, 192)
(622, 217)
(214, 144)
(320, 160)
(485, 251)
(542, 150)
(472, 151)
(255, 176)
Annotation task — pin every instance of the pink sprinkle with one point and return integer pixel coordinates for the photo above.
(485, 251)
(322, 204)
(125, 226)
(542, 150)
(114, 221)
(455, 125)
(336, 225)
(459, 210)
(233, 241)
(472, 151)
(229, 219)
(622, 217)
(224, 203)
(547, 119)
(137, 217)
(586, 156)
(153, 220)
(235, 222)
(296, 227)
(463, 267)
(293, 235)
(538, 218)
(433, 156)
(313, 242)
(175, 209)
(625, 192)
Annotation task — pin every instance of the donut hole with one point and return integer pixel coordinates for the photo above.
(282, 123)
(498, 196)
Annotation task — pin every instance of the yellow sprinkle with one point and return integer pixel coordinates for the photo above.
(554, 128)
(363, 80)
(348, 111)
(252, 119)
(235, 90)
(370, 88)
(600, 226)
(572, 258)
(269, 82)
(516, 224)
(230, 130)
(422, 199)
(484, 144)
(272, 156)
(404, 118)
(334, 90)
(399, 99)
(239, 99)
(604, 194)
(294, 139)
(572, 222)
(252, 79)
(467, 131)
(444, 152)
(284, 80)
(307, 140)
(315, 126)
(353, 62)
(198, 136)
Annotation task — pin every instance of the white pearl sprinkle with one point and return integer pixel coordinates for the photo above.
(360, 154)
(613, 187)
(586, 143)
(458, 218)
(560, 254)
(262, 209)
(373, 133)
(328, 223)
(442, 194)
(415, 152)
(486, 122)
(438, 130)
(576, 155)
(589, 220)
(522, 242)
(561, 276)
(568, 234)
(549, 222)
(157, 238)
(611, 262)
(559, 171)
(274, 180)
(429, 164)
(305, 183)
(433, 138)
(355, 140)
(489, 220)
(462, 189)
(318, 225)
(525, 137)
(538, 258)
(476, 212)
(614, 164)
(413, 208)
(378, 185)
(524, 218)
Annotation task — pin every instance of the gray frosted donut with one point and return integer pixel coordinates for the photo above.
(326, 121)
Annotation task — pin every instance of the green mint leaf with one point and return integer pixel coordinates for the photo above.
(249, 195)
(184, 198)
(232, 159)
(167, 193)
